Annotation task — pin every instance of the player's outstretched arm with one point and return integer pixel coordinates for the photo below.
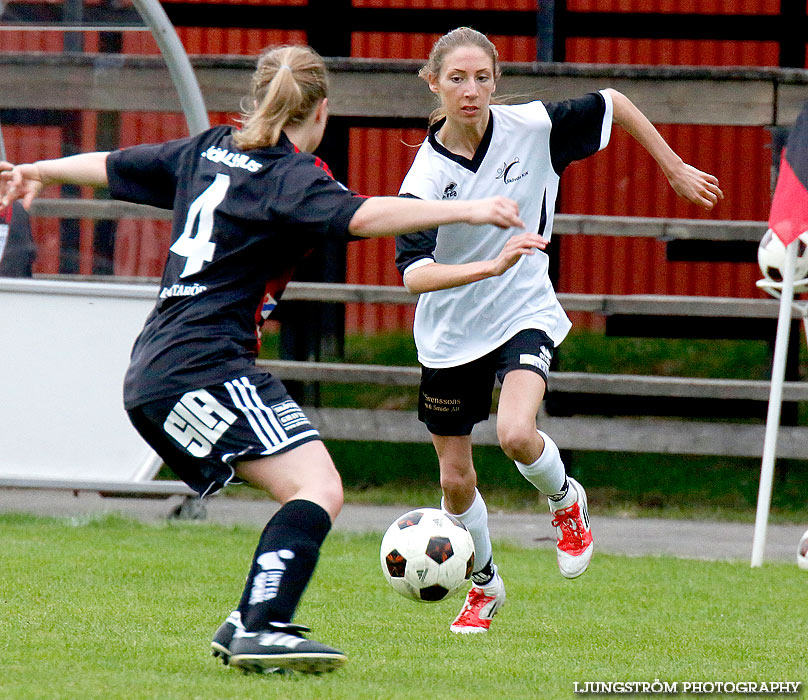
(688, 182)
(393, 216)
(434, 276)
(26, 180)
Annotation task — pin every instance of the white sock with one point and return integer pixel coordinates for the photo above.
(547, 473)
(476, 521)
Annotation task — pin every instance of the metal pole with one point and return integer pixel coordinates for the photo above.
(5, 223)
(775, 403)
(2, 145)
(545, 31)
(193, 106)
(73, 14)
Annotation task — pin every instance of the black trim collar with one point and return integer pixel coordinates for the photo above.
(479, 155)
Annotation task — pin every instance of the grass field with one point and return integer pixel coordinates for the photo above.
(113, 609)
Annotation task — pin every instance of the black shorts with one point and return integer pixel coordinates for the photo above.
(201, 433)
(452, 400)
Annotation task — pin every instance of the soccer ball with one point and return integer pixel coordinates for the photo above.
(772, 256)
(427, 555)
(802, 552)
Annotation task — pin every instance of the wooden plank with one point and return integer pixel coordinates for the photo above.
(790, 99)
(560, 382)
(342, 373)
(106, 82)
(671, 387)
(641, 435)
(379, 93)
(664, 229)
(391, 88)
(673, 101)
(602, 304)
(158, 489)
(360, 293)
(111, 209)
(661, 305)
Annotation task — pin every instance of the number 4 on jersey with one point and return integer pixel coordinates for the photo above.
(194, 244)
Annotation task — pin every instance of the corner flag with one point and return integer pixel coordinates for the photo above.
(788, 217)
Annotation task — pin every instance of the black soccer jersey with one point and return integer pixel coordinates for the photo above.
(242, 222)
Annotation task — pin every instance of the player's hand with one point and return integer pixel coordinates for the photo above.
(19, 182)
(499, 211)
(5, 169)
(695, 186)
(515, 248)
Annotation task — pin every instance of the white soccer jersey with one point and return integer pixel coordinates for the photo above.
(521, 156)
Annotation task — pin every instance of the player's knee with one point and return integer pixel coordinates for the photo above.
(323, 487)
(516, 440)
(330, 493)
(457, 484)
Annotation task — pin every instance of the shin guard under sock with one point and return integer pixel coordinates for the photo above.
(547, 473)
(283, 563)
(476, 521)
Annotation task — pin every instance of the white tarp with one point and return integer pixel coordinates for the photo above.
(64, 349)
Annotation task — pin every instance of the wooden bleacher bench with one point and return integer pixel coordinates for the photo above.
(642, 435)
(670, 435)
(561, 382)
(362, 88)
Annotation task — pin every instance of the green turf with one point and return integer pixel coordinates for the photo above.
(113, 609)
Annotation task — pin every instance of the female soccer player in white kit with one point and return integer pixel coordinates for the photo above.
(487, 307)
(249, 204)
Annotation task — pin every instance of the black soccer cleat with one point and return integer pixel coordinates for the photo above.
(220, 644)
(282, 648)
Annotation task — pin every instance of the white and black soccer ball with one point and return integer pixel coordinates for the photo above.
(427, 555)
(802, 552)
(772, 257)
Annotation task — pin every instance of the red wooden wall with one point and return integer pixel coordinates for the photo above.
(622, 180)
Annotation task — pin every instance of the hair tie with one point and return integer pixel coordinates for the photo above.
(284, 65)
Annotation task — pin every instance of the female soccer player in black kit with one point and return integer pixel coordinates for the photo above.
(248, 206)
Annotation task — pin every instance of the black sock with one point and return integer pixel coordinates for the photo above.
(483, 576)
(562, 493)
(284, 562)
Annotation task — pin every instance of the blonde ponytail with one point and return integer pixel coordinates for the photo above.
(288, 83)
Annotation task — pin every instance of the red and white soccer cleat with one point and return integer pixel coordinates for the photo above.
(574, 547)
(482, 603)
